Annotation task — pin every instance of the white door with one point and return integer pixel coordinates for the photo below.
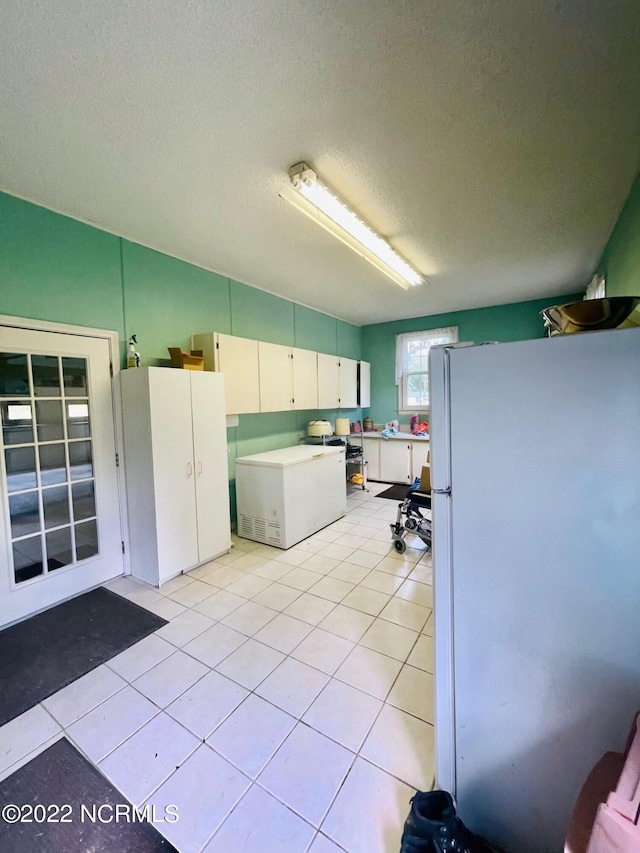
(372, 456)
(212, 473)
(328, 381)
(395, 461)
(173, 471)
(276, 380)
(238, 360)
(60, 528)
(305, 379)
(364, 384)
(348, 383)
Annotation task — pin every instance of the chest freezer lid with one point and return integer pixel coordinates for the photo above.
(288, 456)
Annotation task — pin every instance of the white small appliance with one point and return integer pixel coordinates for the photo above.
(317, 429)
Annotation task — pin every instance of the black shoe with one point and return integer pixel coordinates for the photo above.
(433, 827)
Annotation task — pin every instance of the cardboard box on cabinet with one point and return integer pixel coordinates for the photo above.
(425, 479)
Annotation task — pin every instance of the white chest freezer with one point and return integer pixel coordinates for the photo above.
(285, 495)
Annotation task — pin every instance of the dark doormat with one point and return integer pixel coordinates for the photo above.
(60, 802)
(46, 652)
(395, 493)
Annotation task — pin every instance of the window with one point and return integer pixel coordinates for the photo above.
(412, 365)
(596, 288)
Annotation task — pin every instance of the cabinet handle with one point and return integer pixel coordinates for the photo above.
(189, 469)
(199, 468)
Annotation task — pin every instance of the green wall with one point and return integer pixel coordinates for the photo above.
(54, 268)
(514, 322)
(620, 262)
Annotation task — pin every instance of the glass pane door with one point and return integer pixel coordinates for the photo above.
(47, 442)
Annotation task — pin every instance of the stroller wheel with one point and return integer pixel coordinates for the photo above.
(400, 545)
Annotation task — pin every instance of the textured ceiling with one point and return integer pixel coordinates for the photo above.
(492, 141)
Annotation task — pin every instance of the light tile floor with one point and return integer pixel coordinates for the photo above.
(287, 707)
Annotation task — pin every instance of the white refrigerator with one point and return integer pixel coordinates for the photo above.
(285, 495)
(535, 468)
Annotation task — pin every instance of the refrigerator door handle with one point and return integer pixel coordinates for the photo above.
(442, 491)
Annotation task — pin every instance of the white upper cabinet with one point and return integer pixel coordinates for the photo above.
(265, 377)
(364, 384)
(328, 381)
(237, 358)
(305, 379)
(276, 377)
(348, 396)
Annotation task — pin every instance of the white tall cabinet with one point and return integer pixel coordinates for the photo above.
(176, 470)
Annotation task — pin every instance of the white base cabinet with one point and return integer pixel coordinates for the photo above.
(176, 470)
(371, 448)
(395, 460)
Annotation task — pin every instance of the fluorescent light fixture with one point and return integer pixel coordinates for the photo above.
(306, 192)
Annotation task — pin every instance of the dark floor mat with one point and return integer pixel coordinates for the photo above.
(64, 804)
(395, 493)
(46, 652)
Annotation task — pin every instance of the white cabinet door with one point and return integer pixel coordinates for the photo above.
(372, 456)
(419, 450)
(211, 469)
(364, 384)
(276, 377)
(348, 383)
(237, 358)
(173, 471)
(328, 381)
(395, 461)
(305, 379)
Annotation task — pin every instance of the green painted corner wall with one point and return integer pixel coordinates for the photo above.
(56, 269)
(620, 262)
(514, 322)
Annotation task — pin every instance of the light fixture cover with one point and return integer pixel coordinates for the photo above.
(310, 195)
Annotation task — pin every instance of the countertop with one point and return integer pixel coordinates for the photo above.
(404, 436)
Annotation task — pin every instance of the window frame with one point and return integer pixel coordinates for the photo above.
(402, 374)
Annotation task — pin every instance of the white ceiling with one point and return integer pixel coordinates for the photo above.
(492, 141)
